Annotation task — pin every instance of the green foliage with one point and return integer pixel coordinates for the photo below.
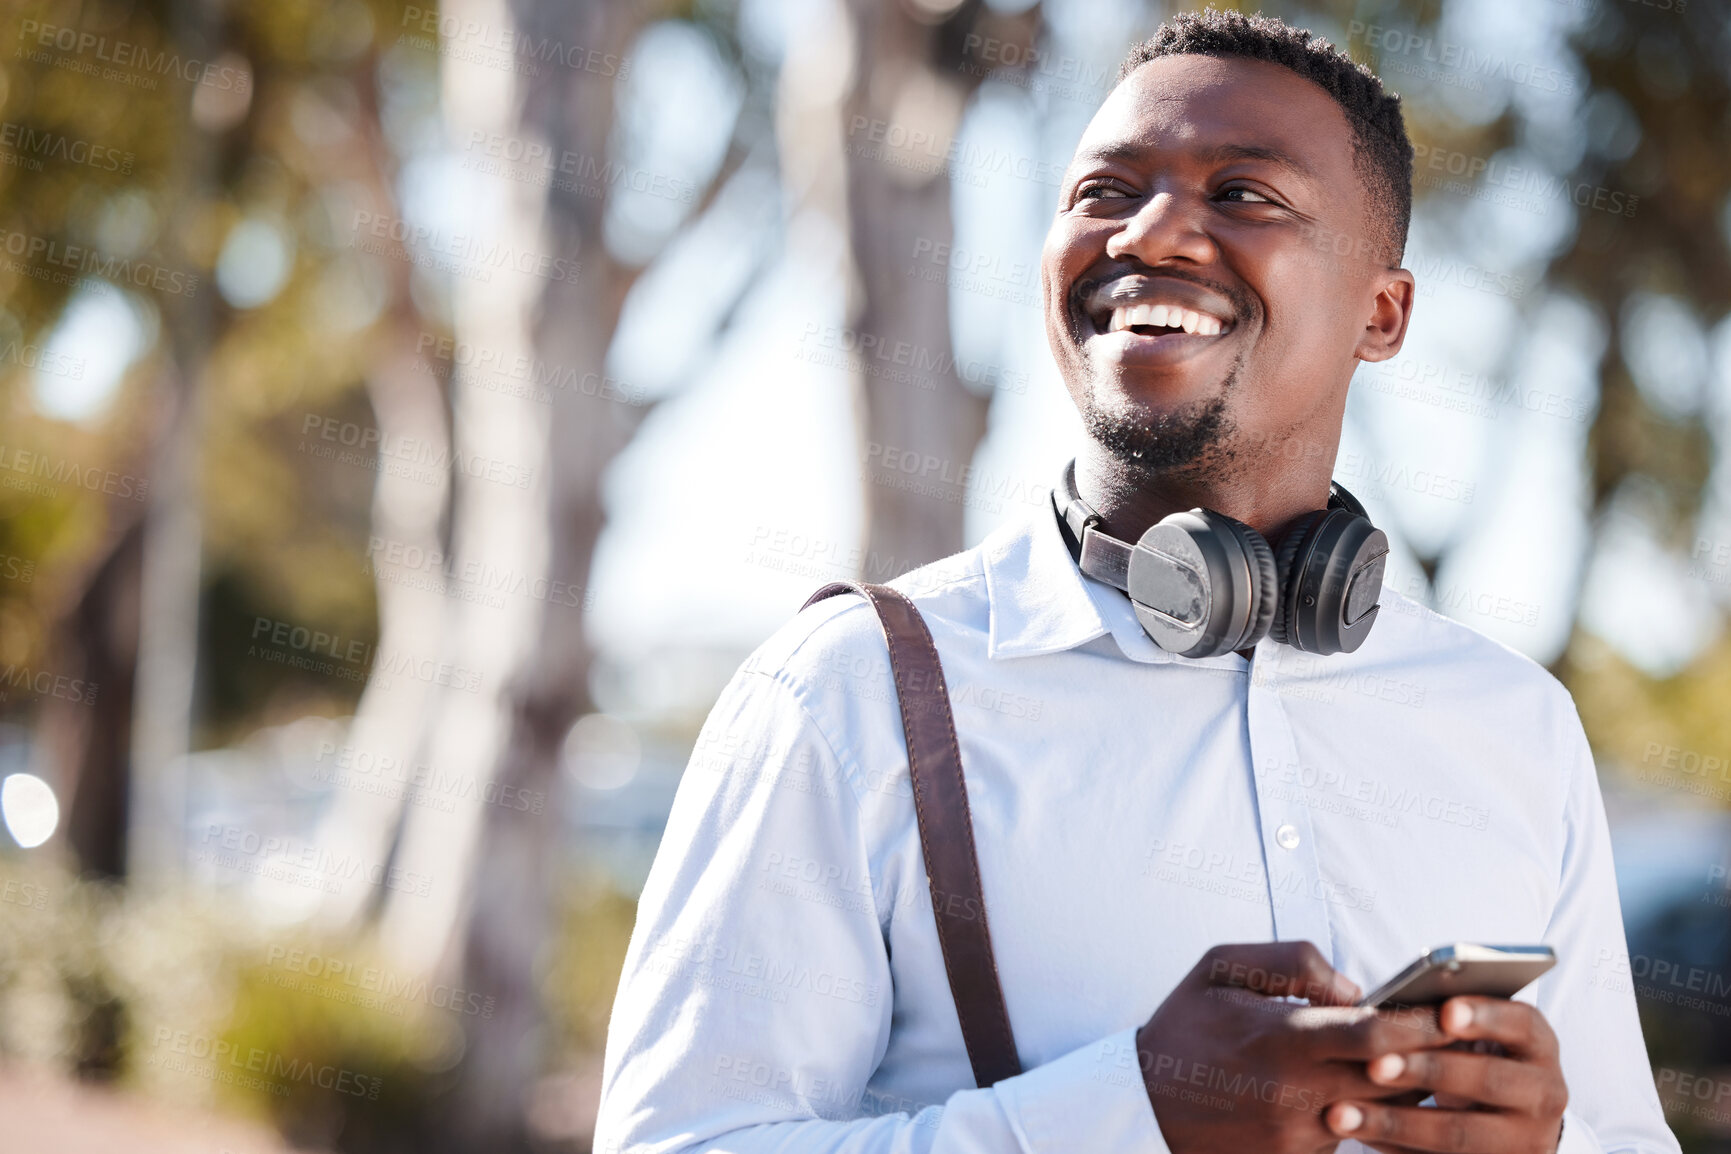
(585, 957)
(190, 999)
(1670, 733)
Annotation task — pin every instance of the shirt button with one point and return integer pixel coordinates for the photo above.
(1287, 836)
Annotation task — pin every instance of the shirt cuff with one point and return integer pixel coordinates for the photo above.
(1578, 1137)
(1092, 1098)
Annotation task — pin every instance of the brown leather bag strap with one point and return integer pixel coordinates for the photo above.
(946, 830)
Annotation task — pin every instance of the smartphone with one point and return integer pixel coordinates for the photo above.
(1463, 968)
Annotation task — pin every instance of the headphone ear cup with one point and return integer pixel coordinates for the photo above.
(1265, 592)
(1264, 580)
(1285, 564)
(1202, 584)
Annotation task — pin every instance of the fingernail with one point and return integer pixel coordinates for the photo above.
(1387, 1068)
(1462, 1015)
(1348, 1118)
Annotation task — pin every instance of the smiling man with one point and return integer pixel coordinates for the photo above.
(1206, 814)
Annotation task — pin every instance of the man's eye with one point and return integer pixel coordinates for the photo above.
(1099, 191)
(1241, 195)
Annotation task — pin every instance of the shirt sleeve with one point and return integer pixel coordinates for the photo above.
(1587, 998)
(756, 999)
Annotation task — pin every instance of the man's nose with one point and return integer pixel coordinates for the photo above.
(1166, 227)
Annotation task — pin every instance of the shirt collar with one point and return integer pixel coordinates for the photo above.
(1040, 601)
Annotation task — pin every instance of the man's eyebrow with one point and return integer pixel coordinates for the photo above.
(1259, 152)
(1129, 153)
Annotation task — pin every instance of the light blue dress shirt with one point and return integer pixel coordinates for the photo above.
(784, 988)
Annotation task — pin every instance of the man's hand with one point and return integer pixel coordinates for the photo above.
(1488, 1103)
(1231, 1065)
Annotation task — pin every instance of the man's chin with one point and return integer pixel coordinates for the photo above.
(1160, 437)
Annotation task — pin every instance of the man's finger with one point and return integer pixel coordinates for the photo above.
(1360, 1035)
(1481, 1078)
(1424, 1128)
(1278, 969)
(1520, 1028)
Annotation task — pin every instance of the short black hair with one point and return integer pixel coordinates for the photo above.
(1382, 153)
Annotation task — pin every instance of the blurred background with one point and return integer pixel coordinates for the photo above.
(413, 414)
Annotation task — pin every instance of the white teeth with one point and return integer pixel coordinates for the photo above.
(1165, 316)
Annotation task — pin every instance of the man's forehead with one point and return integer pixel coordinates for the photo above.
(1207, 103)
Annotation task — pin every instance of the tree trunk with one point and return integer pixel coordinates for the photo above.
(511, 885)
(910, 80)
(84, 744)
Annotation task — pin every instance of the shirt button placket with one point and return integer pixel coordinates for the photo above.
(1295, 889)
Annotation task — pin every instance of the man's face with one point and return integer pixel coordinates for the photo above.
(1195, 297)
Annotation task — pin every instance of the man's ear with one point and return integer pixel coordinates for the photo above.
(1390, 313)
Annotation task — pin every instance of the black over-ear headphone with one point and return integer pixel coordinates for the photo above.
(1203, 584)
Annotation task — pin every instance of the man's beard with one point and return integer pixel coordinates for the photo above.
(1195, 439)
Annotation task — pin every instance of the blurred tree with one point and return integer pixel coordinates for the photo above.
(911, 83)
(1658, 125)
(502, 860)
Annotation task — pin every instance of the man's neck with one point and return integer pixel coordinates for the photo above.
(1267, 497)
